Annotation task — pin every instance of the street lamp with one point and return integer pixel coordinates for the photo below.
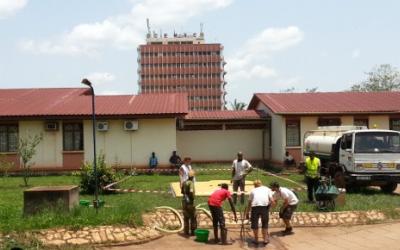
(96, 189)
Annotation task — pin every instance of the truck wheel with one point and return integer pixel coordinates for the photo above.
(389, 187)
(339, 180)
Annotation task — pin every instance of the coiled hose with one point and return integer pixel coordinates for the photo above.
(177, 215)
(174, 211)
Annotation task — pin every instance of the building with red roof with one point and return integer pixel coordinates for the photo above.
(292, 114)
(128, 128)
(125, 125)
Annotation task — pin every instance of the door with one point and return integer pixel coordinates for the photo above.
(346, 152)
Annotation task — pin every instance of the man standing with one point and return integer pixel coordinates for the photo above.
(188, 208)
(184, 170)
(289, 205)
(313, 165)
(260, 200)
(215, 204)
(153, 162)
(240, 168)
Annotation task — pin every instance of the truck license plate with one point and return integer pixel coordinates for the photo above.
(391, 165)
(368, 165)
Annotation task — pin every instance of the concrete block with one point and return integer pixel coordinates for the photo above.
(47, 197)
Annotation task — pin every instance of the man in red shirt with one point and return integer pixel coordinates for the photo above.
(215, 204)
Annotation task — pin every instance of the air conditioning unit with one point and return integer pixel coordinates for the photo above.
(102, 126)
(51, 126)
(131, 125)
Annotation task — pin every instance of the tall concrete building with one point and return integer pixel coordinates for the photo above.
(183, 63)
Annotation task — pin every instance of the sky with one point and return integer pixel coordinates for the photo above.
(269, 46)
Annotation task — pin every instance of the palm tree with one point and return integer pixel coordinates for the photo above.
(238, 105)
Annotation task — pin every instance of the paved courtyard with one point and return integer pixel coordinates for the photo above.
(380, 236)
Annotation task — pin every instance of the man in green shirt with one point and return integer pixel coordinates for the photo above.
(313, 165)
(188, 208)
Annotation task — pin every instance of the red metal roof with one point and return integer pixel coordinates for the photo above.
(329, 102)
(225, 115)
(77, 102)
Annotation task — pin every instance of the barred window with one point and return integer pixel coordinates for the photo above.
(329, 121)
(8, 138)
(292, 133)
(361, 122)
(73, 136)
(395, 124)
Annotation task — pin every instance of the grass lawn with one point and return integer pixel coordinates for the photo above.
(127, 208)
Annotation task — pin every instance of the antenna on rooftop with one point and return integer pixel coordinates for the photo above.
(201, 30)
(148, 28)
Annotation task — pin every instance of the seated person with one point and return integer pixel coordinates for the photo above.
(175, 160)
(288, 159)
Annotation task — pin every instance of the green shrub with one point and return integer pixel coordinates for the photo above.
(105, 174)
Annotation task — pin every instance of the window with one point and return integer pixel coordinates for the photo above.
(329, 121)
(361, 122)
(8, 138)
(395, 124)
(73, 136)
(377, 142)
(292, 133)
(347, 141)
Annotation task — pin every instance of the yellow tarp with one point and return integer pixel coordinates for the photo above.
(205, 188)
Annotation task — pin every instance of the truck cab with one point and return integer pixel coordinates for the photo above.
(357, 156)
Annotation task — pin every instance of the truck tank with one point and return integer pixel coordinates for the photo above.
(322, 141)
(320, 144)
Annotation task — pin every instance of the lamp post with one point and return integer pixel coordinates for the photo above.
(96, 189)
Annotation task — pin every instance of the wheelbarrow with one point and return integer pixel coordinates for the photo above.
(326, 194)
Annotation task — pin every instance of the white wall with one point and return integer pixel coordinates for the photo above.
(49, 151)
(381, 121)
(220, 145)
(133, 148)
(278, 133)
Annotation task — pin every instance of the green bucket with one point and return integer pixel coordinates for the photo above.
(201, 235)
(84, 203)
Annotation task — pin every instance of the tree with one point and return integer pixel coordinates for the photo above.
(288, 90)
(293, 90)
(382, 78)
(105, 175)
(26, 151)
(312, 90)
(238, 105)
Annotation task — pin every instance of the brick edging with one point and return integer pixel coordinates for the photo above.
(147, 233)
(128, 243)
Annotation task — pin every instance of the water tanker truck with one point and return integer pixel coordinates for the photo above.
(356, 156)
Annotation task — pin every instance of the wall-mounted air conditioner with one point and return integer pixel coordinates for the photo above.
(102, 126)
(131, 125)
(51, 126)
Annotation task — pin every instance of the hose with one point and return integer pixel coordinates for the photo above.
(286, 179)
(177, 215)
(205, 211)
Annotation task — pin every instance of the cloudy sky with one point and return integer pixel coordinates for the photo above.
(269, 45)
